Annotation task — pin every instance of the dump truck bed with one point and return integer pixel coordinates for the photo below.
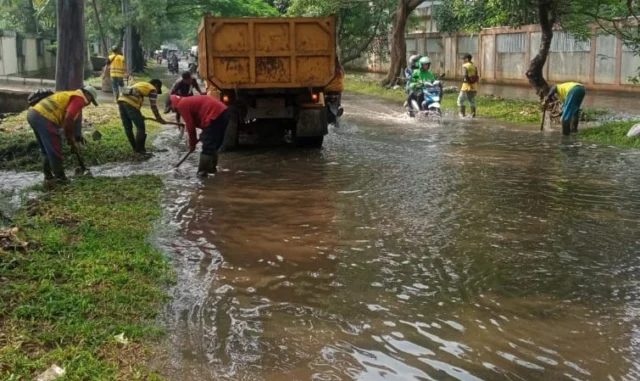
(267, 53)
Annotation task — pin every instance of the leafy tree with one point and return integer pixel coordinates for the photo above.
(359, 23)
(399, 20)
(614, 16)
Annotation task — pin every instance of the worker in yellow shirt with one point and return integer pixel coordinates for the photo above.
(571, 94)
(469, 87)
(118, 70)
(129, 104)
(51, 118)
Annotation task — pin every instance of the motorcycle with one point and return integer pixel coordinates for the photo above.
(428, 103)
(334, 109)
(173, 67)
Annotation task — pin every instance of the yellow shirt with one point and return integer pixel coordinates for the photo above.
(471, 72)
(117, 65)
(565, 88)
(54, 107)
(141, 88)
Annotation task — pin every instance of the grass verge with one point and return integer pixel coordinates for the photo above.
(19, 149)
(510, 110)
(88, 275)
(613, 134)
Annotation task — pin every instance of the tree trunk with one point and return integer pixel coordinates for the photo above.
(138, 62)
(399, 42)
(105, 48)
(535, 73)
(70, 55)
(71, 49)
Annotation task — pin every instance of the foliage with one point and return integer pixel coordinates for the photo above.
(362, 26)
(614, 134)
(33, 16)
(88, 275)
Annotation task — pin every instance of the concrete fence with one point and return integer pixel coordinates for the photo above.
(25, 54)
(503, 56)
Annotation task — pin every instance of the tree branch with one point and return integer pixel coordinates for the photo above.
(363, 47)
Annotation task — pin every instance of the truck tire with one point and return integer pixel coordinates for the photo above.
(231, 134)
(309, 142)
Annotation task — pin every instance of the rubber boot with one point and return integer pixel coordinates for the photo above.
(132, 139)
(566, 127)
(574, 122)
(46, 168)
(141, 140)
(207, 164)
(463, 111)
(473, 112)
(58, 173)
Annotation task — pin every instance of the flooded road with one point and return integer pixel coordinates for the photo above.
(404, 250)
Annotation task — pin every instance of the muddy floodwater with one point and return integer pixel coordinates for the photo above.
(467, 250)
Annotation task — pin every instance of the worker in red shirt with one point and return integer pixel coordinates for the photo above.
(207, 114)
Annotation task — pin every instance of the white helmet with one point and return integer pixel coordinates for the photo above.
(413, 60)
(425, 60)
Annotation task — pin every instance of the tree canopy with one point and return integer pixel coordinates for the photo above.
(359, 23)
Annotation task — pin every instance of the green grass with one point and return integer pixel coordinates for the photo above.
(89, 274)
(19, 149)
(510, 110)
(614, 134)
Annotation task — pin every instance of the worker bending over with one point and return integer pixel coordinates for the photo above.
(571, 94)
(207, 114)
(53, 115)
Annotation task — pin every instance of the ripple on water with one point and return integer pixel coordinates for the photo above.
(400, 251)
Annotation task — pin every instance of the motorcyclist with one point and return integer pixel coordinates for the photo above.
(418, 78)
(408, 72)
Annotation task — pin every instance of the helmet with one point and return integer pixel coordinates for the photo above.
(425, 60)
(413, 60)
(94, 94)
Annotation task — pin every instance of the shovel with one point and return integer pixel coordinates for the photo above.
(544, 114)
(82, 171)
(184, 158)
(180, 126)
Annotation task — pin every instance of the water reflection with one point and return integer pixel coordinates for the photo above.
(465, 251)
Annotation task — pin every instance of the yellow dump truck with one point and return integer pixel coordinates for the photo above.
(271, 72)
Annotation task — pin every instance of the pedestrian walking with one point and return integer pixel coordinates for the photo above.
(209, 115)
(468, 90)
(52, 116)
(117, 70)
(129, 105)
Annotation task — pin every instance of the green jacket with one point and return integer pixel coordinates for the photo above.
(419, 77)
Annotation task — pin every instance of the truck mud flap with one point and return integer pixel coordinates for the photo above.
(231, 133)
(312, 122)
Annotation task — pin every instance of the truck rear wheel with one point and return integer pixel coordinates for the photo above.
(231, 134)
(309, 142)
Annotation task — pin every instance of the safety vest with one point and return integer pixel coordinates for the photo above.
(117, 65)
(472, 72)
(138, 92)
(54, 107)
(565, 88)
